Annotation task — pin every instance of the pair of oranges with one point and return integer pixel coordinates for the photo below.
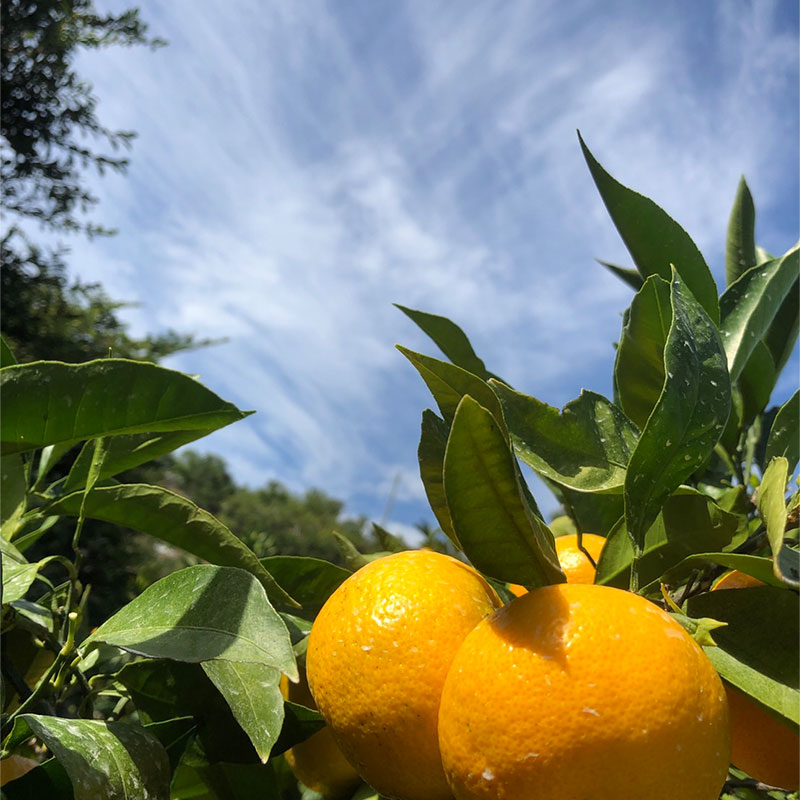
(433, 690)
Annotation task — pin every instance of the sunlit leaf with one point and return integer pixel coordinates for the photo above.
(784, 435)
(772, 508)
(740, 247)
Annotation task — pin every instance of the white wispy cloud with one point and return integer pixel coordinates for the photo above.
(302, 165)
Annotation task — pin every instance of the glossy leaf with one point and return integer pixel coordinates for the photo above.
(174, 519)
(627, 275)
(586, 446)
(310, 581)
(784, 435)
(689, 522)
(449, 383)
(653, 238)
(430, 453)
(639, 369)
(50, 456)
(114, 760)
(498, 531)
(781, 336)
(47, 402)
(740, 248)
(198, 614)
(13, 486)
(129, 451)
(757, 650)
(450, 339)
(689, 417)
(772, 508)
(253, 694)
(750, 304)
(18, 574)
(755, 566)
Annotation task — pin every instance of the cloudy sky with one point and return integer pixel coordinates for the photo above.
(302, 165)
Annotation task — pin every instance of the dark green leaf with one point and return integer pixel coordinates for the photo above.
(688, 523)
(173, 519)
(47, 402)
(781, 337)
(50, 456)
(388, 541)
(756, 566)
(432, 445)
(202, 613)
(594, 513)
(253, 694)
(496, 527)
(625, 274)
(740, 248)
(639, 369)
(113, 760)
(449, 383)
(757, 650)
(689, 417)
(750, 304)
(13, 486)
(784, 436)
(586, 446)
(756, 382)
(7, 358)
(450, 339)
(174, 735)
(310, 581)
(653, 238)
(49, 781)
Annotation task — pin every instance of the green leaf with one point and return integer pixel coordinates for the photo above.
(784, 435)
(586, 446)
(625, 274)
(639, 369)
(756, 566)
(772, 508)
(198, 614)
(253, 694)
(689, 522)
(757, 650)
(299, 723)
(740, 248)
(432, 446)
(127, 452)
(449, 383)
(750, 304)
(653, 238)
(310, 581)
(499, 532)
(450, 339)
(47, 402)
(781, 337)
(174, 735)
(173, 519)
(689, 417)
(13, 486)
(112, 760)
(49, 780)
(50, 456)
(388, 541)
(18, 574)
(756, 382)
(7, 358)
(593, 513)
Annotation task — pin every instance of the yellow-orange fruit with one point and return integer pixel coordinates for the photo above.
(577, 568)
(761, 745)
(377, 658)
(573, 692)
(317, 762)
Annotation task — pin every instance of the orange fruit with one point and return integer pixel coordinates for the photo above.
(576, 566)
(764, 747)
(377, 658)
(15, 767)
(317, 762)
(575, 692)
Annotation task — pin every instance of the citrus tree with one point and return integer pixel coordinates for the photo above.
(197, 688)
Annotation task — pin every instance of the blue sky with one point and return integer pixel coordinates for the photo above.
(301, 166)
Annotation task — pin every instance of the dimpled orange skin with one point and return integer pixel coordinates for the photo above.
(574, 692)
(761, 745)
(577, 568)
(317, 762)
(377, 658)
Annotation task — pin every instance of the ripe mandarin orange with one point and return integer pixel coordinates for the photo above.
(761, 745)
(576, 566)
(317, 762)
(576, 692)
(377, 658)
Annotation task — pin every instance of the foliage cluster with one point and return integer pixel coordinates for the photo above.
(686, 472)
